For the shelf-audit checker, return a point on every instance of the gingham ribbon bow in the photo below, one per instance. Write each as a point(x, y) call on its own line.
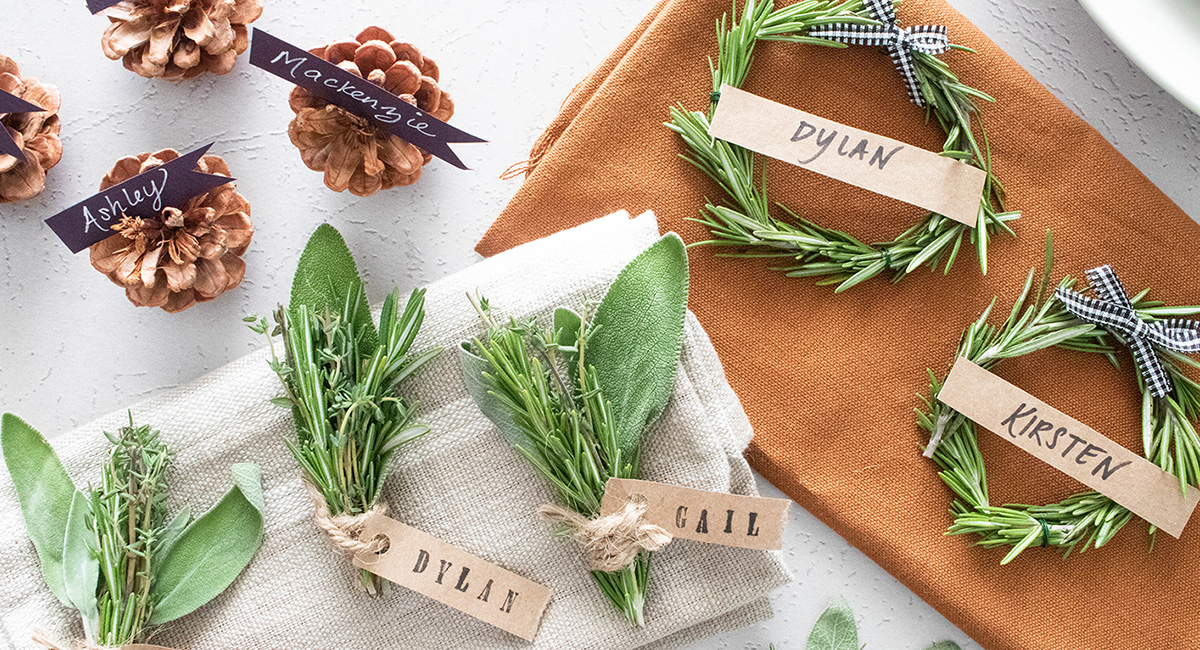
point(1113, 311)
point(930, 39)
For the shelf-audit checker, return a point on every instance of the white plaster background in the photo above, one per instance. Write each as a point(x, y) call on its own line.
point(72, 348)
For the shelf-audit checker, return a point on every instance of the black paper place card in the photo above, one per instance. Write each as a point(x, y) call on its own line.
point(96, 6)
point(357, 95)
point(170, 185)
point(10, 103)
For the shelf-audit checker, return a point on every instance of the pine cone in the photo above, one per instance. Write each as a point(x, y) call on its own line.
point(179, 39)
point(35, 133)
point(184, 256)
point(354, 153)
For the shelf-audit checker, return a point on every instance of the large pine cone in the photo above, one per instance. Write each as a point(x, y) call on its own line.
point(354, 153)
point(35, 133)
point(179, 39)
point(184, 256)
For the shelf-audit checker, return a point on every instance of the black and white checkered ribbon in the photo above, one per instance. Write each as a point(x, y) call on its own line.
point(1112, 310)
point(930, 39)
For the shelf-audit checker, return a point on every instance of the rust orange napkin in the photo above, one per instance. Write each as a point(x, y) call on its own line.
point(830, 381)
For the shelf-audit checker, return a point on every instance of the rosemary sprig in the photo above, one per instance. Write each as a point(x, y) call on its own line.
point(343, 389)
point(543, 379)
point(746, 223)
point(1089, 519)
point(129, 530)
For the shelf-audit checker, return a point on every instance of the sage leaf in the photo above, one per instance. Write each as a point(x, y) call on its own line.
point(835, 630)
point(480, 387)
point(327, 278)
point(638, 337)
point(45, 493)
point(172, 531)
point(81, 565)
point(944, 645)
point(212, 551)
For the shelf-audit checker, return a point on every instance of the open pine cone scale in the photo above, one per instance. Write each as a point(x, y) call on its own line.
point(179, 39)
point(37, 134)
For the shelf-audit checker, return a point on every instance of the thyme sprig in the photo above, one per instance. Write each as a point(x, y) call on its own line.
point(542, 377)
point(746, 222)
point(1089, 519)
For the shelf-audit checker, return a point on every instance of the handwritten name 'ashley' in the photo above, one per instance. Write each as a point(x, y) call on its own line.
point(826, 137)
point(152, 190)
point(350, 88)
point(1025, 423)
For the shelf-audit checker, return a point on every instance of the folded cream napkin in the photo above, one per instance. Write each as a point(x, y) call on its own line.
point(461, 483)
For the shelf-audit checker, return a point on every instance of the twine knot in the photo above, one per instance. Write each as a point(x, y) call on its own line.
point(345, 531)
point(612, 542)
point(43, 639)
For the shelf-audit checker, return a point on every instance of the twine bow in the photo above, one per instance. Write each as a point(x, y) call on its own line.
point(1113, 310)
point(345, 531)
point(900, 42)
point(610, 543)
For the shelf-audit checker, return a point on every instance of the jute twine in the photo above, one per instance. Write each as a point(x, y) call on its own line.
point(610, 543)
point(345, 531)
point(41, 638)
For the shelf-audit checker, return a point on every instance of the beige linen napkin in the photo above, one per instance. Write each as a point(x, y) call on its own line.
point(460, 483)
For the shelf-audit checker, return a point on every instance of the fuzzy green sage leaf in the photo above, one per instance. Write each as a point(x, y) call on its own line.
point(835, 629)
point(212, 551)
point(638, 337)
point(81, 564)
point(45, 493)
point(326, 276)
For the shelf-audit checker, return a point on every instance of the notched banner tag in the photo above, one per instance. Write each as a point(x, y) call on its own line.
point(429, 566)
point(170, 185)
point(10, 103)
point(861, 158)
point(1069, 446)
point(96, 6)
point(714, 517)
point(357, 95)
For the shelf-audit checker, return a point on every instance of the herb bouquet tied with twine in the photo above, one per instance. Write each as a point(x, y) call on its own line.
point(110, 552)
point(341, 376)
point(576, 397)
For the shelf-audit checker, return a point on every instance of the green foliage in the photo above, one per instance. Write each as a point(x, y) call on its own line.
point(1038, 321)
point(212, 551)
point(746, 224)
point(341, 376)
point(122, 565)
point(45, 493)
point(836, 630)
point(546, 392)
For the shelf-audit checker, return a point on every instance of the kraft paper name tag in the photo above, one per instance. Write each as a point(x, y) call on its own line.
point(861, 158)
point(1069, 446)
point(429, 566)
point(714, 517)
point(170, 185)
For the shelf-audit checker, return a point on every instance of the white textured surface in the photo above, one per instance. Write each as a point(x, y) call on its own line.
point(72, 348)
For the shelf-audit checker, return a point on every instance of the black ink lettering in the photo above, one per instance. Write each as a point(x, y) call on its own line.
point(860, 150)
point(823, 144)
point(487, 591)
point(796, 137)
point(681, 517)
point(702, 527)
point(445, 567)
point(728, 521)
point(881, 159)
point(752, 531)
point(508, 601)
point(1107, 463)
point(1037, 431)
point(1074, 441)
point(1057, 432)
point(1017, 414)
point(1088, 452)
point(422, 561)
point(842, 146)
point(462, 580)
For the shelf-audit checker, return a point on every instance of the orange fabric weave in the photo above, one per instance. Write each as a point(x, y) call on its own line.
point(830, 381)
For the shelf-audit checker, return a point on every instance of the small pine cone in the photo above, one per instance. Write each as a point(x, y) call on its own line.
point(179, 39)
point(183, 256)
point(354, 153)
point(35, 133)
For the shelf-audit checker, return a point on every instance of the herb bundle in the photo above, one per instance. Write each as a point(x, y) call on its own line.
point(341, 378)
point(110, 552)
point(574, 399)
point(1088, 519)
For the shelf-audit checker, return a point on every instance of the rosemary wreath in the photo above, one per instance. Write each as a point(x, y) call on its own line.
point(745, 223)
point(1087, 519)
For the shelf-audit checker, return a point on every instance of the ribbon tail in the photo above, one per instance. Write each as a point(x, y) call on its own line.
point(1154, 371)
